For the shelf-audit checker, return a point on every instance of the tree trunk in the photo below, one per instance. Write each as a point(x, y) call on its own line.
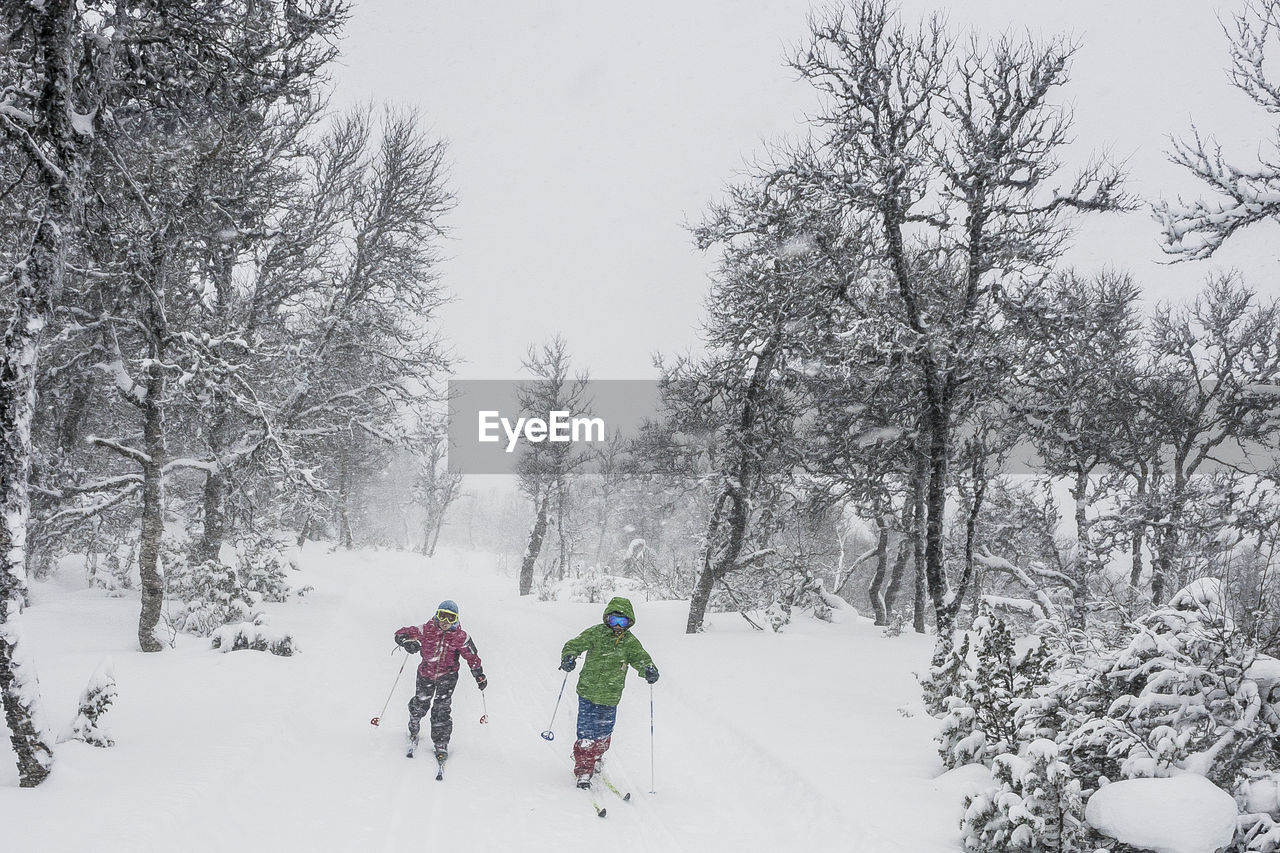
point(38, 288)
point(921, 603)
point(904, 550)
point(214, 531)
point(345, 539)
point(534, 548)
point(149, 569)
point(1080, 561)
point(18, 685)
point(938, 429)
point(1136, 542)
point(435, 534)
point(1169, 540)
point(876, 590)
point(1138, 533)
point(718, 561)
point(563, 543)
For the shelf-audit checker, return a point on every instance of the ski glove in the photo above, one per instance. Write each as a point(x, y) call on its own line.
point(651, 674)
point(568, 663)
point(409, 644)
point(481, 681)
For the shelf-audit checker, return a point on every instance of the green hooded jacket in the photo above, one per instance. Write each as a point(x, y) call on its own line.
point(604, 673)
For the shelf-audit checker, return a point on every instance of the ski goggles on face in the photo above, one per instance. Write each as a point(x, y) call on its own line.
point(616, 620)
point(448, 617)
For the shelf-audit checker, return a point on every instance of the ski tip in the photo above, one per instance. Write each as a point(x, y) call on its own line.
point(626, 798)
point(601, 813)
point(439, 777)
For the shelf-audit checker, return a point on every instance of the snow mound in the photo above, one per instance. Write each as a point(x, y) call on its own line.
point(1265, 672)
point(1204, 596)
point(1184, 814)
point(257, 635)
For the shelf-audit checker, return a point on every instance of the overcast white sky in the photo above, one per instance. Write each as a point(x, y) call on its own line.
point(583, 134)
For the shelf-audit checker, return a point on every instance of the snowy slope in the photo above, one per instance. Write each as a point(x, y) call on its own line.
point(763, 741)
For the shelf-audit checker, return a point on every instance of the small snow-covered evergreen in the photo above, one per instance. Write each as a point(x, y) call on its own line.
point(1035, 807)
point(943, 680)
point(980, 720)
point(95, 701)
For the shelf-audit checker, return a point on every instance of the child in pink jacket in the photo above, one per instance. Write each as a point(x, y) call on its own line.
point(441, 641)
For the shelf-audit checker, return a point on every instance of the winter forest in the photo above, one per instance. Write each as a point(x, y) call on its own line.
point(941, 538)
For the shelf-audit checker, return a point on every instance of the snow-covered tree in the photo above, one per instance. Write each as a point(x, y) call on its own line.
point(1035, 807)
point(946, 156)
point(1074, 396)
point(980, 719)
point(95, 701)
point(1213, 365)
point(766, 313)
point(544, 468)
point(52, 100)
point(1244, 195)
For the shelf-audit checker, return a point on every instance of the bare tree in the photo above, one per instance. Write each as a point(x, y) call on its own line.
point(544, 468)
point(950, 154)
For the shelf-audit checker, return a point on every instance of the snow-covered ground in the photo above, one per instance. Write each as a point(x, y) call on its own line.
point(764, 741)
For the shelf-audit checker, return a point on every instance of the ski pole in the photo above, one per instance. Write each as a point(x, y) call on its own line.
point(549, 734)
point(651, 786)
point(484, 718)
point(378, 719)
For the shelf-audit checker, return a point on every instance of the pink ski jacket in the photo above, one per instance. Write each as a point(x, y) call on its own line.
point(441, 648)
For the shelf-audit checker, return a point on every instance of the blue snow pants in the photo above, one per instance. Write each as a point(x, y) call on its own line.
point(595, 721)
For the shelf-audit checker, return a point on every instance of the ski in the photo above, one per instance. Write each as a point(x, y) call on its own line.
point(608, 783)
point(590, 790)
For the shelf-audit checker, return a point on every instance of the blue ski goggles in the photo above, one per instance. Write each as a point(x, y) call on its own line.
point(617, 620)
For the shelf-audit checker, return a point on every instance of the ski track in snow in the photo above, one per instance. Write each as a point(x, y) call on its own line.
point(762, 741)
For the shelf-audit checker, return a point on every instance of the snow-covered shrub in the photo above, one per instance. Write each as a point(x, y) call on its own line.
point(113, 570)
point(1181, 700)
point(1258, 796)
point(96, 699)
point(981, 713)
point(593, 586)
point(212, 595)
point(1035, 807)
point(778, 616)
point(943, 681)
point(257, 635)
point(264, 570)
point(897, 623)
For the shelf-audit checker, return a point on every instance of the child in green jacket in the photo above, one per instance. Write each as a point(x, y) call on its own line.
point(610, 648)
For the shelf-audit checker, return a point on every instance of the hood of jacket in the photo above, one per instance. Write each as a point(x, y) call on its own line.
point(618, 604)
